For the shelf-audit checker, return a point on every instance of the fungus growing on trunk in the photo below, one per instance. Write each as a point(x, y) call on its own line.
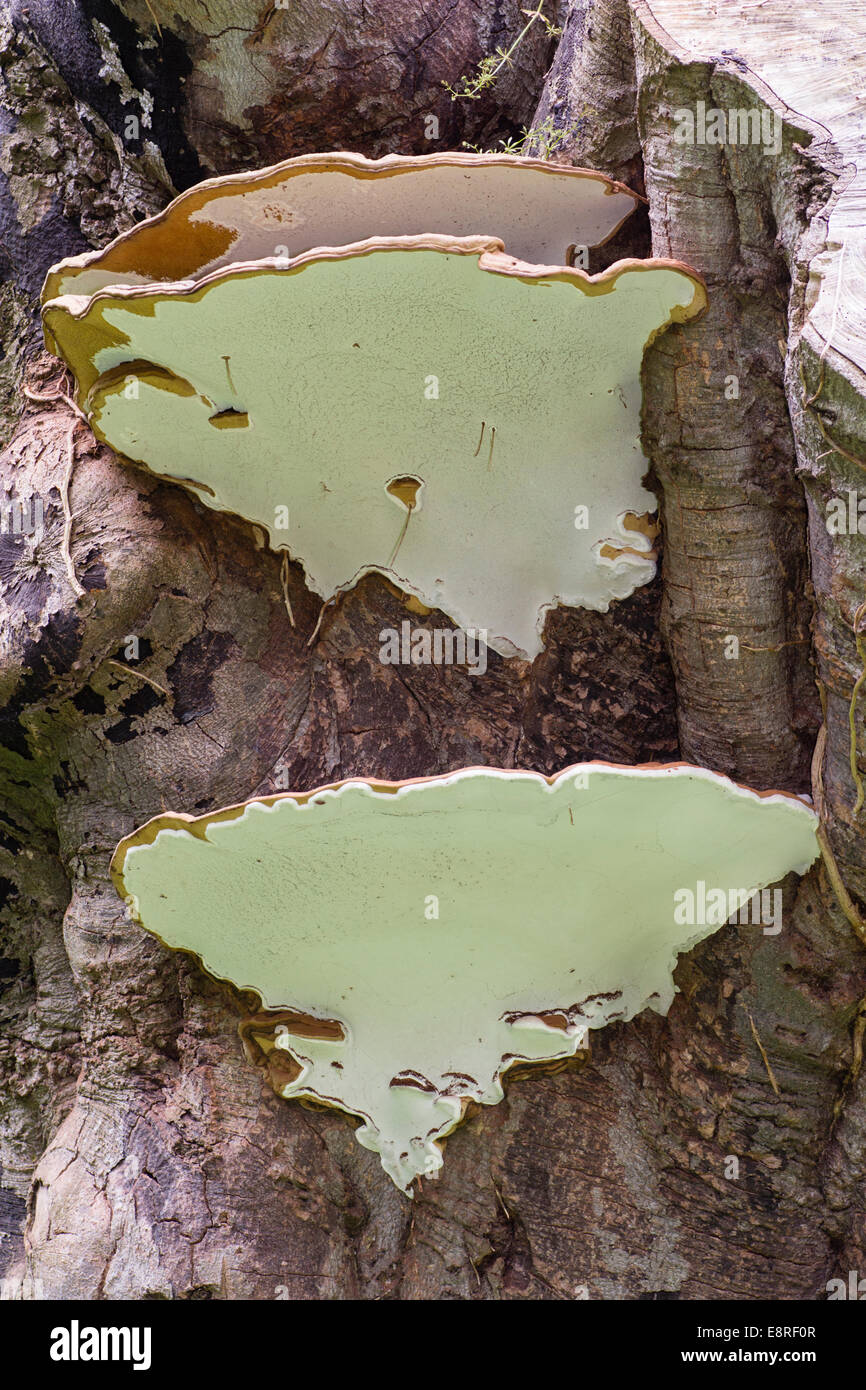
point(540, 211)
point(508, 393)
point(417, 939)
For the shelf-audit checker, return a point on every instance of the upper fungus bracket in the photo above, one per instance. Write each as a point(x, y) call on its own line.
point(542, 212)
point(331, 365)
point(559, 908)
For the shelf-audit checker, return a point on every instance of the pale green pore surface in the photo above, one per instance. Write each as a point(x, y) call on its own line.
point(550, 896)
point(334, 366)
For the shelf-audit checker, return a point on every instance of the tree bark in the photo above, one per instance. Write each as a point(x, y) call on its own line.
point(141, 1155)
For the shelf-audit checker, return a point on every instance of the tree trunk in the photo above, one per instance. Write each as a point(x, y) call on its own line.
point(141, 1155)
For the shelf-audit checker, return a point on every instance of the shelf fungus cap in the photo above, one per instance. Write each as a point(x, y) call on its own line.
point(509, 394)
point(542, 212)
point(418, 939)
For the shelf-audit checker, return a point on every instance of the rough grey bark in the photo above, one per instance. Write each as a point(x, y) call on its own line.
point(141, 1153)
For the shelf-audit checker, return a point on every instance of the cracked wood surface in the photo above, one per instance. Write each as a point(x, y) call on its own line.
point(816, 78)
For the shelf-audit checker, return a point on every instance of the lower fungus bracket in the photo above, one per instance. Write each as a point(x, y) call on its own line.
point(542, 934)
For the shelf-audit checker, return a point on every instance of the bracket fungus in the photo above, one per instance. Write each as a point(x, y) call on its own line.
point(437, 360)
point(540, 210)
point(420, 938)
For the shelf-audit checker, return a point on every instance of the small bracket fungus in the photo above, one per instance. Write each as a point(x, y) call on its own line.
point(420, 938)
point(538, 209)
point(509, 394)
